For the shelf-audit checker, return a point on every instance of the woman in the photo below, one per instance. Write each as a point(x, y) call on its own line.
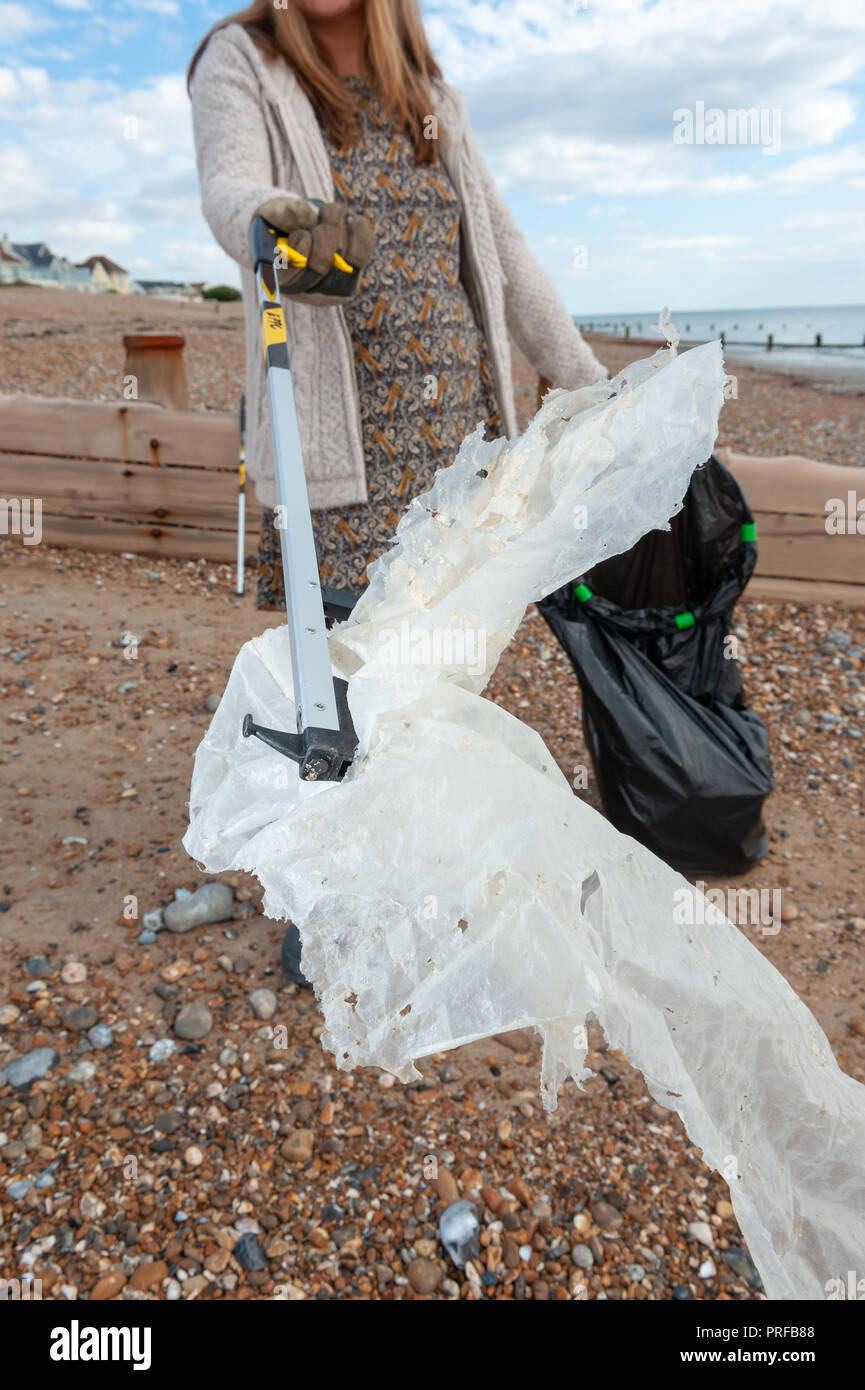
point(330, 118)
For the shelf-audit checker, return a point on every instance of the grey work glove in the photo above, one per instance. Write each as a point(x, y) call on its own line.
point(319, 231)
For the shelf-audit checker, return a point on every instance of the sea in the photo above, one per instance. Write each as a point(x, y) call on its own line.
point(746, 332)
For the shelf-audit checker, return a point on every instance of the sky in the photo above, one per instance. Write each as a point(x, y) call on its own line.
point(587, 114)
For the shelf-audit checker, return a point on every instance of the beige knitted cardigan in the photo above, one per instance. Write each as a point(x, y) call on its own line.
point(256, 135)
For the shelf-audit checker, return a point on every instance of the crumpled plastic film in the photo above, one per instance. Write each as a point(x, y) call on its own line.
point(452, 886)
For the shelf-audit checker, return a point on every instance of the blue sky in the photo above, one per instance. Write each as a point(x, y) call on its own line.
point(573, 106)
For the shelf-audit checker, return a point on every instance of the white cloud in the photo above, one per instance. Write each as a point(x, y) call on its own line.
point(51, 53)
point(15, 22)
point(608, 79)
point(823, 168)
point(730, 183)
point(72, 175)
point(688, 243)
point(76, 235)
point(20, 88)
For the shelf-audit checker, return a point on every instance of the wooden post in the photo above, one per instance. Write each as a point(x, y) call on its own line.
point(155, 361)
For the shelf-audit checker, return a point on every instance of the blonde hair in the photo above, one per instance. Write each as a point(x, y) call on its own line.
point(398, 57)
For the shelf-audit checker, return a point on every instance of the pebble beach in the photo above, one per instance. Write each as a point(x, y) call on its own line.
point(170, 1127)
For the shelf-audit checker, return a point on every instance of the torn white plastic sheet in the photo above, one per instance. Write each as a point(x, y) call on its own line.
point(453, 886)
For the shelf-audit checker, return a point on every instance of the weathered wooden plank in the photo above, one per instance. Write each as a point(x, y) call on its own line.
point(767, 590)
point(93, 463)
point(134, 431)
point(789, 483)
point(797, 547)
point(182, 542)
point(128, 491)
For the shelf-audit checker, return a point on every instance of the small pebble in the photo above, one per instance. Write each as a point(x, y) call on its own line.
point(701, 1231)
point(82, 1071)
point(263, 1003)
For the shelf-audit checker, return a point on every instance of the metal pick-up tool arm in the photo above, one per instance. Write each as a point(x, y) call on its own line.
point(325, 742)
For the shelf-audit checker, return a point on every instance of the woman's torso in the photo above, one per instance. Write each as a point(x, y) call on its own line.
point(422, 367)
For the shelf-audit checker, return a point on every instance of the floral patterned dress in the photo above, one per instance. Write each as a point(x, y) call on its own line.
point(422, 364)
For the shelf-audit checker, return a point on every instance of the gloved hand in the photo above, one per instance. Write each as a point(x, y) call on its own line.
point(319, 231)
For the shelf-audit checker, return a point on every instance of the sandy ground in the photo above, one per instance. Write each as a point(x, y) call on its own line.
point(245, 1165)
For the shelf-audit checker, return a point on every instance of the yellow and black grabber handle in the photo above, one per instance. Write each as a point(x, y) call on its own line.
point(241, 500)
point(325, 742)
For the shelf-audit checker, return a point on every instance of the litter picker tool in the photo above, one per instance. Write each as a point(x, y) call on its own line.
point(241, 500)
point(325, 742)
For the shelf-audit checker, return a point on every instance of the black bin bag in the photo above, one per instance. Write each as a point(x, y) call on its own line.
point(682, 763)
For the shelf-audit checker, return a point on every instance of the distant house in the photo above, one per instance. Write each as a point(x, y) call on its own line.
point(34, 263)
point(171, 289)
point(106, 275)
point(42, 258)
point(11, 263)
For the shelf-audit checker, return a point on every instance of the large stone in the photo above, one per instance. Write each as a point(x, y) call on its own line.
point(298, 1146)
point(194, 1021)
point(249, 1254)
point(446, 1186)
point(424, 1275)
point(606, 1216)
point(169, 1121)
point(80, 1017)
point(108, 1286)
point(33, 1066)
point(212, 902)
point(149, 1275)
